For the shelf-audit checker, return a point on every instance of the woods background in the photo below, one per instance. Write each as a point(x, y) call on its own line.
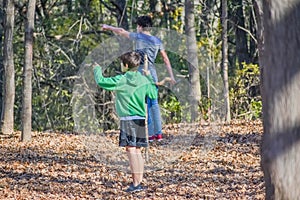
point(44, 42)
point(66, 31)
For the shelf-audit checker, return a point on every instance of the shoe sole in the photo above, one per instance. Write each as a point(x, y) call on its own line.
point(158, 140)
point(134, 191)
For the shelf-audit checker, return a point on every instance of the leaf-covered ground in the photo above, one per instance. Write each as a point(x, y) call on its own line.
point(58, 166)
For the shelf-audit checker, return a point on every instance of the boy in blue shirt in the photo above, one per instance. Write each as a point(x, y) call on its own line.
point(149, 45)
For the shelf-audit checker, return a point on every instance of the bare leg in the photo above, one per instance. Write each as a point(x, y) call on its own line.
point(141, 164)
point(136, 163)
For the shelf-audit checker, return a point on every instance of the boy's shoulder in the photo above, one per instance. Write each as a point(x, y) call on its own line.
point(138, 75)
point(133, 74)
point(150, 38)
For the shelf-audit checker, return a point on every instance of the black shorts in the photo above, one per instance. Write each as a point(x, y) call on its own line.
point(133, 133)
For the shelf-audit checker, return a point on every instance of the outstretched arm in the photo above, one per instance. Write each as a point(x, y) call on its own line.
point(168, 65)
point(108, 83)
point(119, 31)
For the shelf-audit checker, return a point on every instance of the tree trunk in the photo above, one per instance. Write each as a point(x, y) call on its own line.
point(1, 60)
point(241, 35)
point(27, 73)
point(253, 42)
point(258, 9)
point(155, 6)
point(69, 5)
point(9, 70)
point(281, 111)
point(224, 63)
point(194, 75)
point(122, 14)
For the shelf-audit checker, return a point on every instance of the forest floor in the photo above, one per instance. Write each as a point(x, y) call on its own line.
point(222, 165)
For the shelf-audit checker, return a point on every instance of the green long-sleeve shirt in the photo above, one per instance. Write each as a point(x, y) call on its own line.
point(131, 90)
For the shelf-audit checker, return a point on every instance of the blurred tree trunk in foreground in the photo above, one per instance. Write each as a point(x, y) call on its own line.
point(281, 94)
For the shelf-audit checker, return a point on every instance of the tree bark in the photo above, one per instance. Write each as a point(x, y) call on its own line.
point(258, 9)
point(27, 73)
point(280, 156)
point(224, 63)
point(69, 5)
point(122, 14)
point(9, 70)
point(240, 34)
point(194, 75)
point(1, 59)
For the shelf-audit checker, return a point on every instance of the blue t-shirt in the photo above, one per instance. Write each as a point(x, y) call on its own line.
point(148, 44)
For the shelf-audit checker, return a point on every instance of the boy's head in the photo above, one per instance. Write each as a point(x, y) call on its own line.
point(130, 60)
point(145, 22)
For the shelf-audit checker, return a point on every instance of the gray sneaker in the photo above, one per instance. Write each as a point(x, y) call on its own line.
point(133, 189)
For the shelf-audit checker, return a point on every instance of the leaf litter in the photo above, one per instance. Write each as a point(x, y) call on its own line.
point(223, 164)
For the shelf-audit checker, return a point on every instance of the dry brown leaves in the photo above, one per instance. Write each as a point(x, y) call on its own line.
point(58, 166)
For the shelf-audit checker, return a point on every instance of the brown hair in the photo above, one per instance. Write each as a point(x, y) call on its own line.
point(132, 59)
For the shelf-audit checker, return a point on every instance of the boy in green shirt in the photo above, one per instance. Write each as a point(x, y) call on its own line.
point(131, 90)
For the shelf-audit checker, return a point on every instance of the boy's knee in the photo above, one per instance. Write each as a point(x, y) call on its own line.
point(132, 149)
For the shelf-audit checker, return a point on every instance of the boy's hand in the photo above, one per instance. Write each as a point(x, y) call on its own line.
point(105, 27)
point(146, 72)
point(95, 65)
point(172, 81)
point(167, 79)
